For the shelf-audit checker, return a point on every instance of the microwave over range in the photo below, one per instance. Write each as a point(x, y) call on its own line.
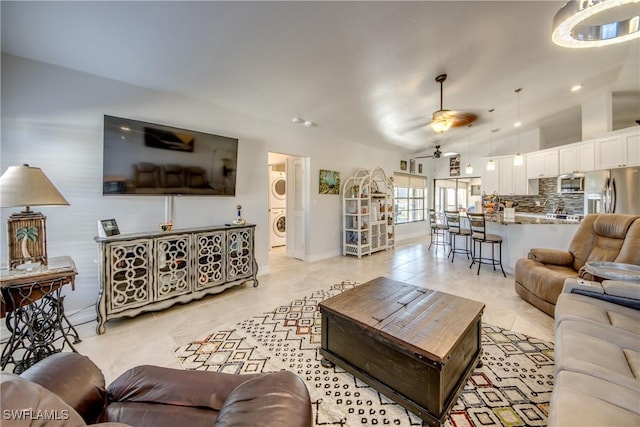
point(571, 183)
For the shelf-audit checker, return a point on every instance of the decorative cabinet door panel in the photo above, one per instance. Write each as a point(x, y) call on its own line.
point(130, 274)
point(240, 253)
point(172, 266)
point(210, 261)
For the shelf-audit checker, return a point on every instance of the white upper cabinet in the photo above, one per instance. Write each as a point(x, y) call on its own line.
point(618, 151)
point(490, 179)
point(506, 179)
point(579, 157)
point(542, 164)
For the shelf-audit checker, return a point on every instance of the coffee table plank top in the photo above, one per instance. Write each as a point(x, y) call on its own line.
point(429, 322)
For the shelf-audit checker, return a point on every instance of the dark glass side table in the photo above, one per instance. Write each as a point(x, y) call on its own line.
point(33, 305)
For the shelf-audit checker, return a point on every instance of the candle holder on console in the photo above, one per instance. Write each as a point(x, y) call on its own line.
point(239, 220)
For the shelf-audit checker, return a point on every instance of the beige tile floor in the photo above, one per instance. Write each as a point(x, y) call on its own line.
point(152, 338)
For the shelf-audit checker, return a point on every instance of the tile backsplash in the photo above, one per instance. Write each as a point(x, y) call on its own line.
point(549, 198)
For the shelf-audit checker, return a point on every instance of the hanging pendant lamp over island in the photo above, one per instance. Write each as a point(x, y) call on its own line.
point(517, 159)
point(491, 165)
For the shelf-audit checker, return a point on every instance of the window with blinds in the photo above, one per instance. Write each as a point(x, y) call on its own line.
point(410, 192)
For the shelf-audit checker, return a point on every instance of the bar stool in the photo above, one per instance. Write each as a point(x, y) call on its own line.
point(479, 237)
point(438, 230)
point(455, 230)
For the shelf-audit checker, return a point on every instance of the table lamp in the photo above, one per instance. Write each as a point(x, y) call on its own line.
point(26, 231)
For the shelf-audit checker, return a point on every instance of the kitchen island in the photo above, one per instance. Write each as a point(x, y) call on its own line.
point(527, 231)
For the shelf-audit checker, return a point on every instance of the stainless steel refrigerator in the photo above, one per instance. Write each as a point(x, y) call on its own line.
point(612, 191)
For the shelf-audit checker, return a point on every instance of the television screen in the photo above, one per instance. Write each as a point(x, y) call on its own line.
point(146, 158)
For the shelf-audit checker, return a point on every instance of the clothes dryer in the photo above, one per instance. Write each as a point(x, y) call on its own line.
point(278, 190)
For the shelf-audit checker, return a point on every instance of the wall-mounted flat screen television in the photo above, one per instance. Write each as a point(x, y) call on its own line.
point(150, 159)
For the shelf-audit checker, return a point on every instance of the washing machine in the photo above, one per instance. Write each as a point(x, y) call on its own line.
point(278, 190)
point(278, 227)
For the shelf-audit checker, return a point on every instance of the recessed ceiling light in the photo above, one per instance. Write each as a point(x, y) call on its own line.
point(576, 87)
point(309, 124)
point(297, 120)
point(517, 124)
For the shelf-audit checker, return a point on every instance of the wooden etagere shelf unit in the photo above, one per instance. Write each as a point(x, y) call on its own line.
point(152, 271)
point(367, 213)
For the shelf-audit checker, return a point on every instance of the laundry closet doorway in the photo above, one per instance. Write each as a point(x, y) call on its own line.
point(288, 195)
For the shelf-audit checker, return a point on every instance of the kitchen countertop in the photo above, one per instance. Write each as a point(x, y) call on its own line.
point(526, 219)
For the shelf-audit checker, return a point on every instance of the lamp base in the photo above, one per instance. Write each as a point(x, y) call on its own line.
point(27, 239)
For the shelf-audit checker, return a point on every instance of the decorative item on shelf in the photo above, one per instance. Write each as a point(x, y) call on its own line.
point(491, 165)
point(403, 165)
point(582, 24)
point(517, 159)
point(27, 233)
point(166, 226)
point(239, 220)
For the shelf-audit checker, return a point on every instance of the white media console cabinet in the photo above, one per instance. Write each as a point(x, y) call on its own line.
point(152, 271)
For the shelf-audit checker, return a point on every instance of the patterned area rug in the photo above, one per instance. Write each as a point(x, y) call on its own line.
point(512, 388)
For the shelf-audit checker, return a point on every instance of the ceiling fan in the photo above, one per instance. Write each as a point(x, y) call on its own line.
point(436, 154)
point(443, 120)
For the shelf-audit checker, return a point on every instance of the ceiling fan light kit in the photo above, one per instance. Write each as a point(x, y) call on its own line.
point(595, 23)
point(443, 120)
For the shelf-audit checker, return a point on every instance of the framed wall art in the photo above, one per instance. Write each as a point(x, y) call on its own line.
point(329, 182)
point(454, 165)
point(403, 165)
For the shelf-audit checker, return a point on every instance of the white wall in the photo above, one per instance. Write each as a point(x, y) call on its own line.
point(52, 118)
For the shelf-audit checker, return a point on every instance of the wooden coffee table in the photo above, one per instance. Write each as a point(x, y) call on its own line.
point(417, 346)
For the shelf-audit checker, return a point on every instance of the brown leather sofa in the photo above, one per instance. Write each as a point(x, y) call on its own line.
point(69, 390)
point(539, 278)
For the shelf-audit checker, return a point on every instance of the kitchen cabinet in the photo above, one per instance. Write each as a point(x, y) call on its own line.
point(542, 164)
point(506, 179)
point(618, 150)
point(490, 178)
point(577, 158)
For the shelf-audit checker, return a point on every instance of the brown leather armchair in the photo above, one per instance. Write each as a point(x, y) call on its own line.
point(71, 387)
point(539, 278)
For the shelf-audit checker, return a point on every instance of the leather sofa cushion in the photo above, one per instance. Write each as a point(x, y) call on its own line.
point(586, 309)
point(599, 351)
point(622, 289)
point(154, 414)
point(266, 401)
point(176, 387)
point(614, 226)
point(75, 379)
point(551, 256)
point(582, 400)
point(545, 281)
point(19, 394)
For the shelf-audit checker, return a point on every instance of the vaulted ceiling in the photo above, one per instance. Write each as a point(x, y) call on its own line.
point(363, 71)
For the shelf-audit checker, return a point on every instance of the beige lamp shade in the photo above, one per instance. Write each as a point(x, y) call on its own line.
point(28, 186)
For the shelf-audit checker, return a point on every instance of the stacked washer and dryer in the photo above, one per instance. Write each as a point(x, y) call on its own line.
point(277, 207)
